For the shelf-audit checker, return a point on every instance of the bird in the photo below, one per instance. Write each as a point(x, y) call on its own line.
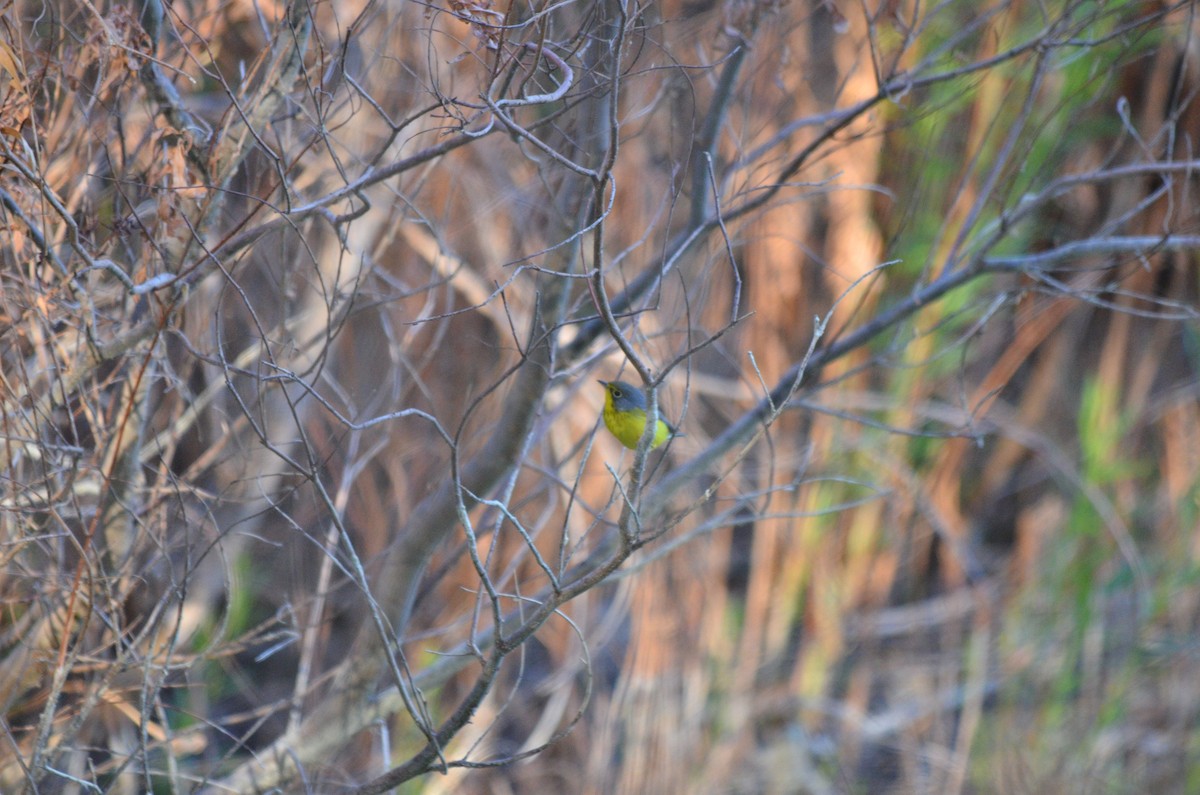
point(625, 415)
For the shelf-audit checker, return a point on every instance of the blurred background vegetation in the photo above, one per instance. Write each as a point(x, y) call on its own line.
point(304, 487)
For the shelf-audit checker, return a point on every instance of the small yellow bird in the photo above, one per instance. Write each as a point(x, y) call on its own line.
point(625, 415)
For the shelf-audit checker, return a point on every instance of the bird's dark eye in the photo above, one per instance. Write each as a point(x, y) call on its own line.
point(616, 392)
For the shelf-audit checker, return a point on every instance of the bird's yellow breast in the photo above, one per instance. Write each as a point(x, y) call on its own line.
point(628, 425)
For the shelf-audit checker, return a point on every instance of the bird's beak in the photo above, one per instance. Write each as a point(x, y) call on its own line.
point(602, 383)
